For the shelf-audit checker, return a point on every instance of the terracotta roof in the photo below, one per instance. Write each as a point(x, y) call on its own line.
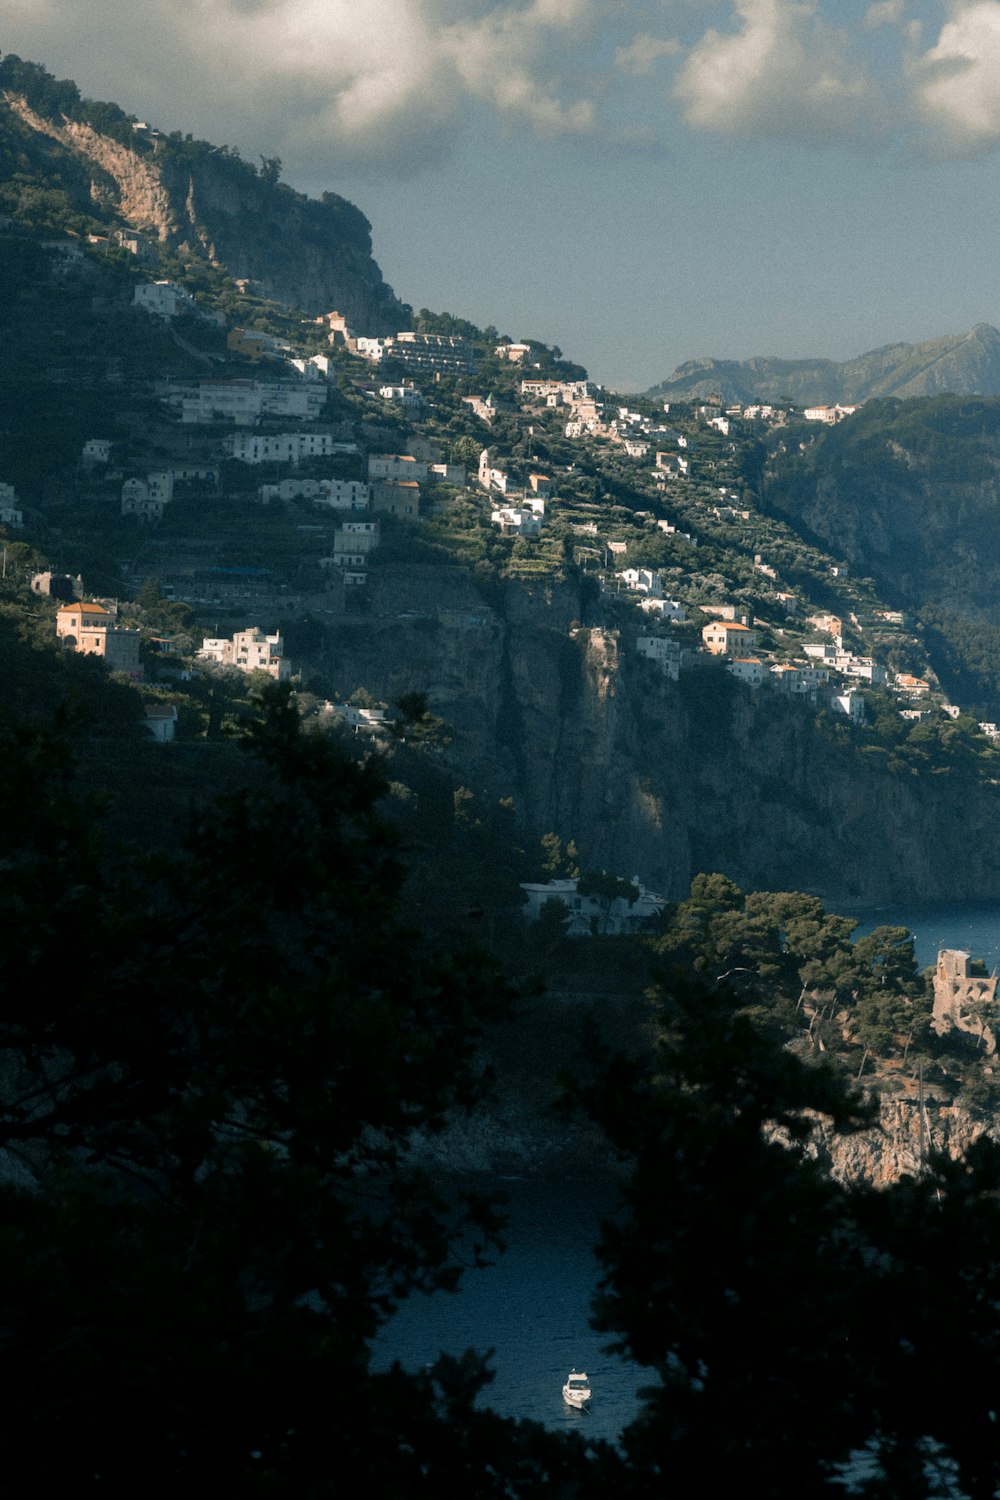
point(87, 609)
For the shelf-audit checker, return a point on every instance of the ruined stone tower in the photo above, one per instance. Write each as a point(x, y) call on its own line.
point(964, 1001)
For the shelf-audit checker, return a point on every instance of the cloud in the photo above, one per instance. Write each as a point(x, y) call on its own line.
point(640, 57)
point(393, 84)
point(497, 58)
point(382, 80)
point(785, 73)
point(883, 13)
point(957, 81)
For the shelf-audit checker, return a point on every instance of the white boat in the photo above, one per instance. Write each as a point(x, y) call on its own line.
point(576, 1391)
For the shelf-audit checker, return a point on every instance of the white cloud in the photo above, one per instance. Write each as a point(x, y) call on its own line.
point(957, 81)
point(497, 59)
point(785, 72)
point(386, 80)
point(883, 13)
point(642, 54)
point(393, 82)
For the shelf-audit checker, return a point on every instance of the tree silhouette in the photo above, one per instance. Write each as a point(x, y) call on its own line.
point(213, 1062)
point(795, 1327)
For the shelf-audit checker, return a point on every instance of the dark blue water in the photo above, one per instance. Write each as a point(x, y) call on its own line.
point(532, 1308)
point(968, 925)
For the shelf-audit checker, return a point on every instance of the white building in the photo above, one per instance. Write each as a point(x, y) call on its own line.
point(642, 581)
point(161, 721)
point(334, 494)
point(249, 651)
point(821, 651)
point(828, 414)
point(748, 669)
point(589, 915)
point(370, 349)
point(246, 402)
point(491, 478)
point(316, 367)
point(663, 652)
point(396, 466)
point(665, 609)
point(434, 351)
point(850, 703)
point(372, 721)
point(283, 447)
point(797, 679)
point(524, 520)
point(163, 299)
point(406, 396)
point(862, 667)
point(352, 542)
point(343, 494)
point(148, 498)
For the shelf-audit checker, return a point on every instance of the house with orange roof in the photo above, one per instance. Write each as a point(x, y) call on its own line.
point(749, 669)
point(88, 627)
point(728, 638)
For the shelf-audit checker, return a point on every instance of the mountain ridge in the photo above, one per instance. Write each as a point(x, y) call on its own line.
point(966, 364)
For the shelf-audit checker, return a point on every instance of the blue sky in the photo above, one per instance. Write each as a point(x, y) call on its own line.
point(641, 183)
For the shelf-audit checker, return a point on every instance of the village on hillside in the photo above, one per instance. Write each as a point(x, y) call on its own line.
point(486, 453)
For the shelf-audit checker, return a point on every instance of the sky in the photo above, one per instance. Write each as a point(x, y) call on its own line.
point(640, 182)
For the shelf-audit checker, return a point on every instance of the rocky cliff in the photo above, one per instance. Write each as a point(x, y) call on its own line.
point(654, 778)
point(520, 1133)
point(201, 201)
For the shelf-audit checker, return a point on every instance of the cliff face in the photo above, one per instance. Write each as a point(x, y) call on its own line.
point(516, 1135)
point(654, 778)
point(892, 1149)
point(315, 255)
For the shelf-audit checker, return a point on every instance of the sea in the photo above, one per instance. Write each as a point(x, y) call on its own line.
point(530, 1310)
point(972, 926)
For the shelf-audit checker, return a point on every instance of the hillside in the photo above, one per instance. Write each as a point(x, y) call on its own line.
point(966, 364)
point(70, 163)
point(540, 585)
point(909, 493)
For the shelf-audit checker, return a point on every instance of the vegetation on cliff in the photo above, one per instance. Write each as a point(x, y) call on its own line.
point(67, 178)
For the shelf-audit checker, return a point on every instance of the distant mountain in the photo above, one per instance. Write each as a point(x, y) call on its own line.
point(76, 165)
point(966, 364)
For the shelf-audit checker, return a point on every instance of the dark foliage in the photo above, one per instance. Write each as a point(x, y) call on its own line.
point(212, 1062)
point(793, 1325)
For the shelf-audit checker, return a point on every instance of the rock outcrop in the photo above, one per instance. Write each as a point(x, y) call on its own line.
point(521, 1135)
point(198, 200)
